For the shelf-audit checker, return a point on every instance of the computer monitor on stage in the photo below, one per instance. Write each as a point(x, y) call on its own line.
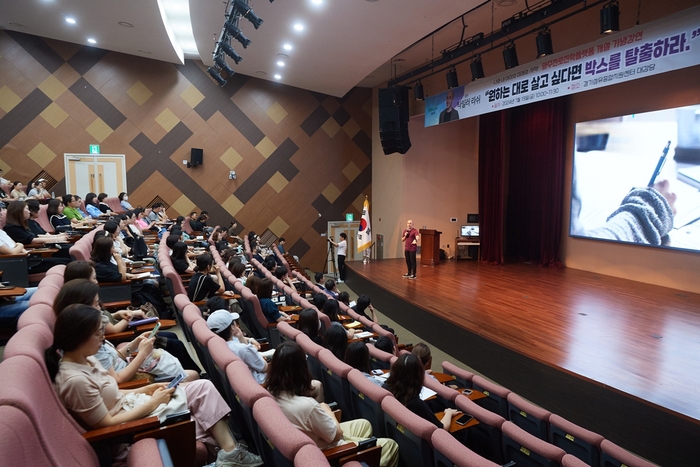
point(469, 231)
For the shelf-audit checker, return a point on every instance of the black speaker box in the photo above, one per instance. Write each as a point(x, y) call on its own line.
point(393, 119)
point(196, 157)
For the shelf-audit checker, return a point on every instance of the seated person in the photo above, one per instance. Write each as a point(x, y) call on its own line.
point(71, 210)
point(331, 289)
point(336, 340)
point(11, 308)
point(289, 382)
point(385, 344)
point(101, 205)
point(238, 270)
point(179, 258)
point(39, 191)
point(223, 323)
point(344, 298)
point(280, 245)
point(253, 283)
point(319, 300)
point(357, 356)
point(310, 325)
point(91, 206)
point(91, 395)
point(269, 308)
point(80, 209)
point(203, 285)
point(112, 228)
point(195, 225)
point(154, 217)
point(405, 382)
point(17, 228)
point(109, 265)
point(422, 351)
point(282, 275)
point(17, 193)
point(124, 202)
point(34, 209)
point(363, 303)
point(58, 220)
point(332, 309)
point(158, 363)
point(318, 277)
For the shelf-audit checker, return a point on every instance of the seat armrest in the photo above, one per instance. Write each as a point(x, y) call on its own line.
point(120, 336)
point(138, 383)
point(135, 426)
point(339, 451)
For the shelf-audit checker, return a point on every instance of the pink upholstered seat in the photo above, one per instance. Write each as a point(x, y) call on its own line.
point(612, 454)
point(462, 376)
point(574, 439)
point(284, 437)
point(497, 396)
point(515, 439)
point(458, 454)
point(309, 455)
point(288, 330)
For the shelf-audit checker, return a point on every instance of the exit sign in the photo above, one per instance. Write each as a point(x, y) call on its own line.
point(349, 216)
point(94, 149)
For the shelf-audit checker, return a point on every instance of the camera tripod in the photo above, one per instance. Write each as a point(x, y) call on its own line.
point(330, 258)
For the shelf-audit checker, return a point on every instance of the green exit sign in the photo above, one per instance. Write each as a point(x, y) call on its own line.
point(349, 216)
point(94, 149)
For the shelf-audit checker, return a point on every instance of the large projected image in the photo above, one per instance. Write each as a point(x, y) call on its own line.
point(636, 179)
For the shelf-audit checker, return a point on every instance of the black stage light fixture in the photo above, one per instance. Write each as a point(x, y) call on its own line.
point(217, 77)
point(477, 68)
point(544, 43)
point(610, 18)
point(237, 34)
point(452, 81)
point(221, 63)
point(226, 47)
point(510, 56)
point(418, 91)
point(247, 12)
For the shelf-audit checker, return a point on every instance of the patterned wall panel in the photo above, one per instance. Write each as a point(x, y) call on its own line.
point(296, 153)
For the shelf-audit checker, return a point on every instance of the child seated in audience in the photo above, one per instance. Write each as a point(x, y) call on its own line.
point(223, 323)
point(405, 382)
point(289, 382)
point(91, 394)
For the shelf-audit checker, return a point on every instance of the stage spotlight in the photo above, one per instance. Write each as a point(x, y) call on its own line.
point(226, 47)
point(237, 34)
point(510, 56)
point(217, 77)
point(418, 91)
point(477, 68)
point(221, 63)
point(452, 81)
point(247, 12)
point(544, 43)
point(610, 18)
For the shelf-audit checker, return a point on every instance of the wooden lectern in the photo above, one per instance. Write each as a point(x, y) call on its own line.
point(429, 247)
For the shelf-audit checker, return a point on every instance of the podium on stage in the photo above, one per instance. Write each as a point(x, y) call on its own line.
point(430, 247)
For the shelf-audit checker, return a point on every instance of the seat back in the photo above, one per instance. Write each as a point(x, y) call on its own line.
point(312, 349)
point(335, 383)
point(43, 219)
point(486, 438)
point(526, 450)
point(410, 431)
point(280, 440)
point(574, 439)
point(245, 391)
point(496, 396)
point(114, 204)
point(528, 416)
point(378, 359)
point(449, 452)
point(462, 376)
point(366, 401)
point(612, 455)
point(312, 456)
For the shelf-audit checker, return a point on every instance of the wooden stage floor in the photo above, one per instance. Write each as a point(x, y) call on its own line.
point(642, 340)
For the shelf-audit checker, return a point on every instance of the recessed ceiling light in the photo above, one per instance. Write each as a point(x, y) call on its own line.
point(261, 72)
point(125, 24)
point(287, 46)
point(298, 27)
point(70, 20)
point(316, 2)
point(18, 25)
point(506, 2)
point(278, 76)
point(283, 55)
point(144, 51)
point(91, 40)
point(280, 63)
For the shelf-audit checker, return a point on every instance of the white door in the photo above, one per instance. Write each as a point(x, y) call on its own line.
point(103, 173)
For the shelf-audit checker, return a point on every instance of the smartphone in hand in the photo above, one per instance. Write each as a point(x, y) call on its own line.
point(178, 379)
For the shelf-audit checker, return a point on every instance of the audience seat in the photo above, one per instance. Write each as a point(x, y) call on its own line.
point(279, 439)
point(366, 401)
point(312, 349)
point(309, 456)
point(462, 376)
point(246, 392)
point(496, 396)
point(612, 455)
point(572, 461)
point(528, 416)
point(334, 374)
point(43, 219)
point(527, 450)
point(574, 439)
point(449, 452)
point(411, 432)
point(486, 438)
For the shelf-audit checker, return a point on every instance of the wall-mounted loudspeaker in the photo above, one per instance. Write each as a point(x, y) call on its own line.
point(393, 119)
point(196, 157)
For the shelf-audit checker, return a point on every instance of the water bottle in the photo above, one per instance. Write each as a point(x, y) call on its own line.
point(53, 194)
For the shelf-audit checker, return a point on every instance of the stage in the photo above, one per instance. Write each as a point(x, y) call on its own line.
point(615, 356)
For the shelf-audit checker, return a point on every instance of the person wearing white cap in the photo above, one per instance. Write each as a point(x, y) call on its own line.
point(223, 323)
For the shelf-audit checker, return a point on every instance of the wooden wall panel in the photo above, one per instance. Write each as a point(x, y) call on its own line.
point(297, 154)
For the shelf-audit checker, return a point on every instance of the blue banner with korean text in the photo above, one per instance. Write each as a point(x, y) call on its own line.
point(668, 44)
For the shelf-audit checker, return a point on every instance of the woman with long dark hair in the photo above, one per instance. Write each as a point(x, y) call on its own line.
point(332, 309)
point(92, 396)
point(17, 228)
point(289, 381)
point(405, 383)
point(309, 324)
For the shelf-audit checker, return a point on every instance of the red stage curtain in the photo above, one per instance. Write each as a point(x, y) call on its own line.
point(492, 157)
point(535, 184)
